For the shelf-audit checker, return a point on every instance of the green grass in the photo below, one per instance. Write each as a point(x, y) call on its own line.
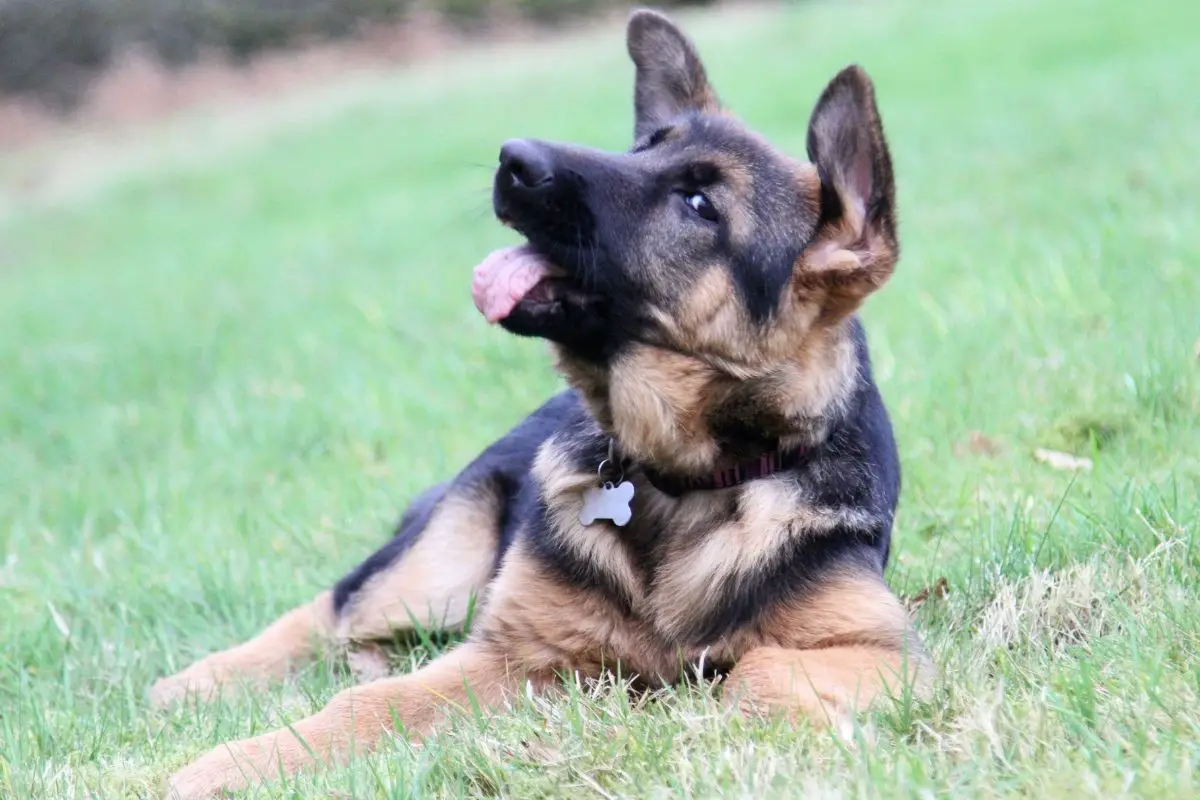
point(231, 350)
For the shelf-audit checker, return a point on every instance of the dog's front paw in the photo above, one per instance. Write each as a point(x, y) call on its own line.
point(169, 691)
point(209, 776)
point(197, 681)
point(237, 765)
point(369, 662)
point(209, 678)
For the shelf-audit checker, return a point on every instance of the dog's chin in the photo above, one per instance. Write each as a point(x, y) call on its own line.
point(559, 309)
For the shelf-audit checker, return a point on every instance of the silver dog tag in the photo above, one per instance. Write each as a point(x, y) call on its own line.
point(609, 502)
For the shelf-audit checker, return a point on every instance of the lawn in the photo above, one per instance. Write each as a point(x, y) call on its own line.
point(230, 351)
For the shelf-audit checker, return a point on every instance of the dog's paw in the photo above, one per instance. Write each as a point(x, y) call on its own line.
point(187, 786)
point(202, 681)
point(208, 777)
point(228, 768)
point(204, 782)
point(369, 662)
point(234, 766)
point(169, 691)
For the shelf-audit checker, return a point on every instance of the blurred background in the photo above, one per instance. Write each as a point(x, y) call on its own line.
point(123, 59)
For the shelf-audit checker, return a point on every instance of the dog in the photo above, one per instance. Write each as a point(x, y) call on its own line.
point(718, 483)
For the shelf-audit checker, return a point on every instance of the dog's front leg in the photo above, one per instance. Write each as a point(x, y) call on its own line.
point(828, 685)
point(357, 718)
point(294, 639)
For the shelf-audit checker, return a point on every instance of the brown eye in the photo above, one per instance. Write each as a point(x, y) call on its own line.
point(701, 205)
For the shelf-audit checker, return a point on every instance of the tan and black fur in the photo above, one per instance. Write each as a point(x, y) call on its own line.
point(706, 315)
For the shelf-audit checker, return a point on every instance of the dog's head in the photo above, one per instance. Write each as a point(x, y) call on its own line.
point(703, 249)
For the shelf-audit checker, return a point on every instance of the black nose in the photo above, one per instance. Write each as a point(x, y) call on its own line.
point(528, 164)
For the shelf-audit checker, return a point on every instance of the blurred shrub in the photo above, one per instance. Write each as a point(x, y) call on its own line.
point(469, 14)
point(473, 14)
point(550, 11)
point(177, 30)
point(51, 48)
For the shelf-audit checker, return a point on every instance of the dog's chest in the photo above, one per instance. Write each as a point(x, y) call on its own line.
point(671, 557)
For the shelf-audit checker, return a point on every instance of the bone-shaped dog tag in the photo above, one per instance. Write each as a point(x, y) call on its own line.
point(607, 502)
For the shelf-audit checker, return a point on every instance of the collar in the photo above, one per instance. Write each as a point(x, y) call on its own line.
point(765, 465)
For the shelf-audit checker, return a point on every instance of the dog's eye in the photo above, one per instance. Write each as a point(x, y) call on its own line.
point(701, 205)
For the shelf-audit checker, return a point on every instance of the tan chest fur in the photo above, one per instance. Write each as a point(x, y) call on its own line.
point(674, 562)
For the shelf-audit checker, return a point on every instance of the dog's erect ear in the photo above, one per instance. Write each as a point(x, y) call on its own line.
point(670, 76)
point(847, 145)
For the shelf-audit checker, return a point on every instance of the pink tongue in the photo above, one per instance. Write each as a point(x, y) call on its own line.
point(504, 278)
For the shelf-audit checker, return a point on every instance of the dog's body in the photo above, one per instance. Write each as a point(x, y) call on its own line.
point(700, 294)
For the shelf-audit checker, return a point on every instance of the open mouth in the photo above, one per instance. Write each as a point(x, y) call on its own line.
point(523, 276)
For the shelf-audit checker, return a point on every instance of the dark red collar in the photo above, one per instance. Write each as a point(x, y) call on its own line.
point(765, 465)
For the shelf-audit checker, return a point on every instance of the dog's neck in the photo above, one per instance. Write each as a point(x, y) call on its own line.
point(681, 414)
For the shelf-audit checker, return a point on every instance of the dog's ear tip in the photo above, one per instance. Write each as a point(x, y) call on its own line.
point(855, 77)
point(647, 21)
point(644, 15)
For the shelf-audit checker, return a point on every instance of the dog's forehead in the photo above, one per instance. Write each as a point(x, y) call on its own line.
point(736, 141)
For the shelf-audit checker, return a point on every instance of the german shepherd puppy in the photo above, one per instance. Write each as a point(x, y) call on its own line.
point(717, 486)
